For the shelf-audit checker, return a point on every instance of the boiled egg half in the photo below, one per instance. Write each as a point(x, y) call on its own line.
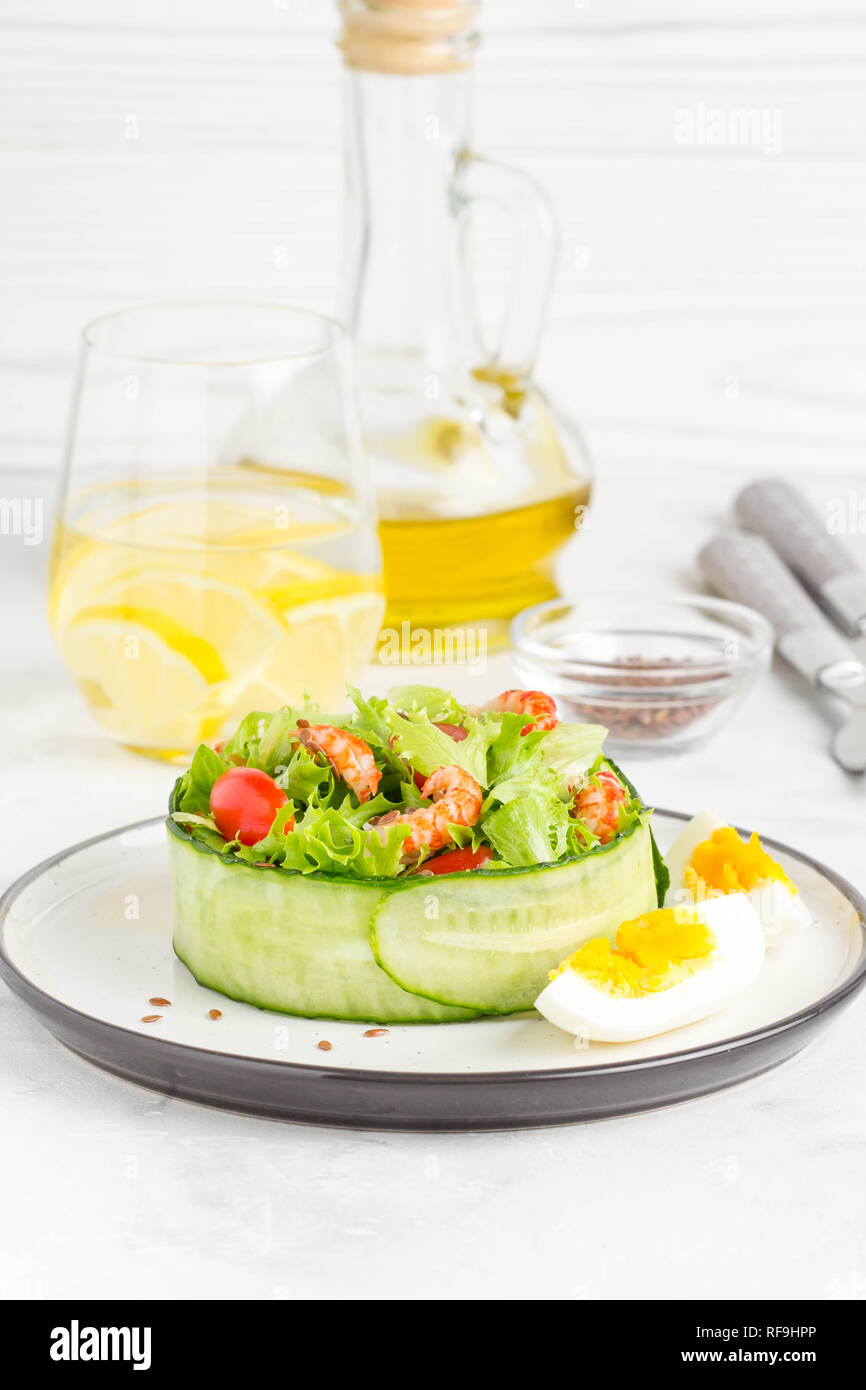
point(670, 967)
point(709, 859)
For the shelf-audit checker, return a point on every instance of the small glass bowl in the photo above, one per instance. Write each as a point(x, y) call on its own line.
point(662, 674)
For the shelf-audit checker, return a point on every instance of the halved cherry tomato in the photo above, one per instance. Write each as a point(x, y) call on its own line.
point(244, 802)
point(456, 860)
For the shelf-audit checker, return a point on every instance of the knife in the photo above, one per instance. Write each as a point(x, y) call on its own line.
point(781, 514)
point(744, 568)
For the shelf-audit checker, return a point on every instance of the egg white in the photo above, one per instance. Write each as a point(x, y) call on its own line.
point(781, 912)
point(678, 857)
point(577, 1006)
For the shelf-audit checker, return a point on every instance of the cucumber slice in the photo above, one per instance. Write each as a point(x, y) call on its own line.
point(487, 941)
point(286, 942)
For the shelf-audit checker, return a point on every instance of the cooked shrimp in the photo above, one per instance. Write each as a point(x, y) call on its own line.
point(598, 805)
point(457, 800)
point(540, 707)
point(350, 757)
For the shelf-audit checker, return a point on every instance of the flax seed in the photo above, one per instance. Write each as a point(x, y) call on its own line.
point(657, 717)
point(324, 1046)
point(375, 1032)
point(151, 1018)
point(163, 1003)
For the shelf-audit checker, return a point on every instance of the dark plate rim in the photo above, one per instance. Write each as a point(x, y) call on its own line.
point(47, 1004)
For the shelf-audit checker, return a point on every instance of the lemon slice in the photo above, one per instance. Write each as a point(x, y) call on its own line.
point(227, 619)
point(277, 577)
point(326, 642)
point(146, 687)
point(239, 613)
point(194, 521)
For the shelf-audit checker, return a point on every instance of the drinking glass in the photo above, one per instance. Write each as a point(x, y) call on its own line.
point(216, 547)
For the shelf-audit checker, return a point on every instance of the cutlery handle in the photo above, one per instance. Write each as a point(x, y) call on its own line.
point(781, 514)
point(743, 568)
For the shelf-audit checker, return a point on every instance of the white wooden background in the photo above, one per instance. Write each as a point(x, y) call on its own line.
point(709, 301)
point(708, 324)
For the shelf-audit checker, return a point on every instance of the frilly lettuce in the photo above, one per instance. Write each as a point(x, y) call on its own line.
point(326, 840)
point(194, 793)
point(570, 750)
point(427, 748)
point(439, 705)
point(532, 830)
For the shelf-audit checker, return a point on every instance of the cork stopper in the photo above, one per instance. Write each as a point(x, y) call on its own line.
point(409, 37)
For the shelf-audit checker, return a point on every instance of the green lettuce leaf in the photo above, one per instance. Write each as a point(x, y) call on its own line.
point(244, 742)
point(205, 768)
point(327, 840)
point(304, 779)
point(580, 838)
point(378, 805)
point(510, 753)
point(426, 748)
point(203, 829)
point(439, 705)
point(372, 726)
point(371, 722)
point(275, 747)
point(383, 851)
point(570, 750)
point(515, 767)
point(533, 830)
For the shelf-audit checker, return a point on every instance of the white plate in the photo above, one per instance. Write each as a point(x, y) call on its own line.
point(86, 940)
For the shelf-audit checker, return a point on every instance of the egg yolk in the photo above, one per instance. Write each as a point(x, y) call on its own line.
point(726, 864)
point(651, 953)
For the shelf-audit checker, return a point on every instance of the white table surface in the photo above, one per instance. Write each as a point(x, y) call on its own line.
point(708, 326)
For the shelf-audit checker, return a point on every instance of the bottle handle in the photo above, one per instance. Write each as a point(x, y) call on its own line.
point(529, 209)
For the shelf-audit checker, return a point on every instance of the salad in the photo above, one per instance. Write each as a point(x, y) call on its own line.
point(305, 849)
point(415, 783)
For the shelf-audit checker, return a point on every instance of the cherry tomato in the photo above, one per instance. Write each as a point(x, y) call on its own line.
point(244, 802)
point(456, 860)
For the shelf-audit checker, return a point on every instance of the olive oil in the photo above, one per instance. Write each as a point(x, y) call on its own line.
point(475, 571)
point(474, 508)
